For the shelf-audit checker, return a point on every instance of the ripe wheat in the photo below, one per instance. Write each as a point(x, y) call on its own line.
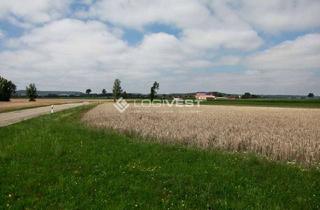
point(289, 134)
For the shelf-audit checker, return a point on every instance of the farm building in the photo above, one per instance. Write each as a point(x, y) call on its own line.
point(204, 96)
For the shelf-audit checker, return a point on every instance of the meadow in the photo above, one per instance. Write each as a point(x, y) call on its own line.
point(56, 162)
point(283, 134)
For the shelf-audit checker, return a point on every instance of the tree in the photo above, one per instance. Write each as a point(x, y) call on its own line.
point(153, 90)
point(117, 90)
point(88, 91)
point(104, 92)
point(7, 89)
point(310, 95)
point(32, 92)
point(124, 94)
point(246, 95)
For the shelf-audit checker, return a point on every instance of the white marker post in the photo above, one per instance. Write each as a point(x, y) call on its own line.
point(52, 109)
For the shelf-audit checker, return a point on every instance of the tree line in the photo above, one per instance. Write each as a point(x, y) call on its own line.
point(118, 92)
point(8, 89)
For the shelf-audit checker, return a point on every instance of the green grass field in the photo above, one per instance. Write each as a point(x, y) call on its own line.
point(55, 162)
point(293, 103)
point(296, 103)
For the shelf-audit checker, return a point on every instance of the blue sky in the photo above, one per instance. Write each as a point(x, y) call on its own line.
point(134, 37)
point(190, 45)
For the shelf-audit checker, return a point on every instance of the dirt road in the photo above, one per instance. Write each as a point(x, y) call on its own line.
point(9, 118)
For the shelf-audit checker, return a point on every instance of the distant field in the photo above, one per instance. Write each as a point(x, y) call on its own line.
point(16, 104)
point(287, 134)
point(55, 162)
point(306, 103)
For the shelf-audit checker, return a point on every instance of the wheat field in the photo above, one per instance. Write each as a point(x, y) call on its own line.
point(287, 134)
point(16, 104)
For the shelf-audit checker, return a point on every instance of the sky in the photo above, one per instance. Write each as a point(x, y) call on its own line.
point(233, 46)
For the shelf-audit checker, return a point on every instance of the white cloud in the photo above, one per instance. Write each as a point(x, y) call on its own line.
point(207, 26)
point(141, 12)
point(1, 35)
point(91, 52)
point(29, 12)
point(245, 40)
point(73, 54)
point(228, 61)
point(217, 47)
point(276, 16)
point(301, 54)
point(165, 51)
point(291, 66)
point(64, 50)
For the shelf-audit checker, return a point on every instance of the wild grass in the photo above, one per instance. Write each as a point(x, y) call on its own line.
point(55, 162)
point(286, 134)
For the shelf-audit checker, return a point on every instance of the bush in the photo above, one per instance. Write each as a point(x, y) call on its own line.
point(310, 95)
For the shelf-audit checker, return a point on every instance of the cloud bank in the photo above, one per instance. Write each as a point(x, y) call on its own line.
point(218, 45)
